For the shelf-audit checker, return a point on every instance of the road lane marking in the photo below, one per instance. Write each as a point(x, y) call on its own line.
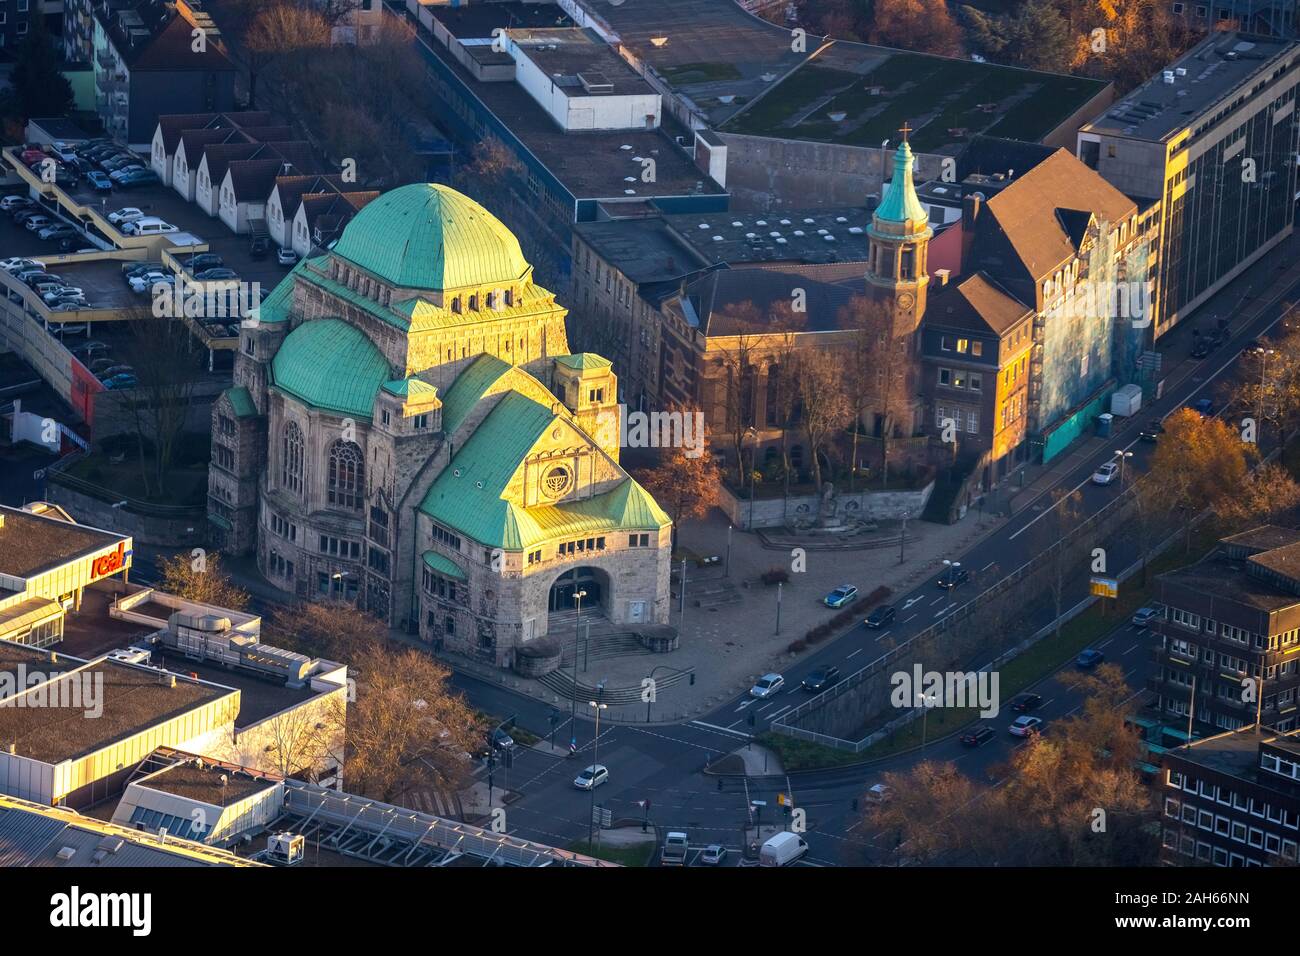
point(912, 618)
point(987, 566)
point(721, 730)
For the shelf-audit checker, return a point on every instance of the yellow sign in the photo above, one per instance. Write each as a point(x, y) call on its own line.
point(1105, 587)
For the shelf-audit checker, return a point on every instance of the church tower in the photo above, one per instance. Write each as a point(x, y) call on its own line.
point(899, 247)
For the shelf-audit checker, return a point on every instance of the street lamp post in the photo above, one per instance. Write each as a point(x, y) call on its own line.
point(752, 434)
point(902, 538)
point(577, 628)
point(1263, 354)
point(1121, 455)
point(595, 762)
point(925, 716)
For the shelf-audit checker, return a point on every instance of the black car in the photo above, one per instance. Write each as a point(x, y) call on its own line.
point(260, 247)
point(1026, 702)
point(952, 576)
point(205, 260)
point(821, 678)
point(978, 737)
point(1155, 428)
point(881, 615)
point(1202, 348)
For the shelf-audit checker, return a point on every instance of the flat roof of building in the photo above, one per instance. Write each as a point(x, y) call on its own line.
point(568, 54)
point(859, 95)
point(1203, 77)
point(810, 236)
point(210, 783)
point(259, 697)
point(1217, 576)
point(31, 544)
point(1237, 753)
point(132, 699)
point(590, 165)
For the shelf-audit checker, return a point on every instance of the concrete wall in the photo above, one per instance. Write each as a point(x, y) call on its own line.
point(871, 505)
point(163, 530)
point(767, 174)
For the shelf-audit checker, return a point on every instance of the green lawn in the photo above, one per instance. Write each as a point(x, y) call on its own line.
point(622, 855)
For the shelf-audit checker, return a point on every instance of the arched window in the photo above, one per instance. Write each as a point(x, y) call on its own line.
point(347, 475)
point(291, 458)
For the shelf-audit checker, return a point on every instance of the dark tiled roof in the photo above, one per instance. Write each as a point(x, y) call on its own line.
point(254, 178)
point(293, 188)
point(171, 46)
point(976, 303)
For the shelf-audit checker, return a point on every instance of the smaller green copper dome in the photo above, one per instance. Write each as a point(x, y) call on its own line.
point(901, 204)
point(330, 365)
point(428, 236)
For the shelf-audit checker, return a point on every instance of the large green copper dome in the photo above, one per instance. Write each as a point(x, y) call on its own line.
point(428, 236)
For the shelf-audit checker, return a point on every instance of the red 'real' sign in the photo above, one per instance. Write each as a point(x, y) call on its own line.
point(109, 563)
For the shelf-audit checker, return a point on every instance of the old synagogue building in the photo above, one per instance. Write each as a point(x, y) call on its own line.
point(409, 430)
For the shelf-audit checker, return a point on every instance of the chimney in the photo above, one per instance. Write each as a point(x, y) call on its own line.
point(971, 205)
point(941, 276)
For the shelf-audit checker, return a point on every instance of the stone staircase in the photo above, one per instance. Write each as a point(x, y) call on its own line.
point(561, 682)
point(706, 589)
point(606, 639)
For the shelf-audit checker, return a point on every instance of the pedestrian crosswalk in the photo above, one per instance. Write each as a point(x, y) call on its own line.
point(437, 802)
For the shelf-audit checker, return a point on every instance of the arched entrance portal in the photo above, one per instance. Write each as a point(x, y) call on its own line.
point(571, 582)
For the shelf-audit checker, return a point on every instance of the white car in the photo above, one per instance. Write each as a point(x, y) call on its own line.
point(67, 292)
point(767, 686)
point(17, 264)
point(38, 222)
point(1026, 726)
point(592, 777)
point(1105, 474)
point(142, 284)
point(879, 793)
point(124, 215)
point(9, 202)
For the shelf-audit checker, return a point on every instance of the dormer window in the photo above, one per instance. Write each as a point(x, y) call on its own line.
point(473, 303)
point(510, 296)
point(455, 305)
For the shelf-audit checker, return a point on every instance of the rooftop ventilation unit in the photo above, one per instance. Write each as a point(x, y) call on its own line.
point(595, 82)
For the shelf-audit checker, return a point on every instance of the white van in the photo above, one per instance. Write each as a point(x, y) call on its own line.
point(782, 850)
point(148, 226)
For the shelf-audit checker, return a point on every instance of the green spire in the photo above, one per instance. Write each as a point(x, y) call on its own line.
point(901, 204)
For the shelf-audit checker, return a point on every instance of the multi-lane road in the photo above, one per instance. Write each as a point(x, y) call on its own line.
point(664, 763)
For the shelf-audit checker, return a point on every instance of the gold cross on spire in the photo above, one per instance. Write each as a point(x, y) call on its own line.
point(905, 129)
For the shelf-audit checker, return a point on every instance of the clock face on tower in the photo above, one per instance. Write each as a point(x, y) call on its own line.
point(906, 300)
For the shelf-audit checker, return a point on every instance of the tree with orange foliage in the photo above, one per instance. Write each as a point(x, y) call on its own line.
point(921, 25)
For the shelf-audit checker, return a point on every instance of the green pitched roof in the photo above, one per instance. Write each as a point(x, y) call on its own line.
point(276, 307)
point(428, 236)
point(583, 361)
point(404, 387)
point(901, 204)
point(445, 566)
point(330, 365)
point(241, 402)
point(469, 388)
point(471, 502)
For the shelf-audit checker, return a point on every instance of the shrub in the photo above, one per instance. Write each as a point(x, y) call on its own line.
point(796, 646)
point(775, 576)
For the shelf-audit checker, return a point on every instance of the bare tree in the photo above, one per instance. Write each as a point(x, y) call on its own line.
point(825, 403)
point(876, 372)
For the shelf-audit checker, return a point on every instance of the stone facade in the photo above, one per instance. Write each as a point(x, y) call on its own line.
point(359, 400)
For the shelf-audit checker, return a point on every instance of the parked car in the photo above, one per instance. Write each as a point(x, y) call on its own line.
point(58, 230)
point(767, 686)
point(841, 596)
point(882, 615)
point(38, 221)
point(42, 286)
point(286, 257)
point(213, 275)
point(500, 740)
point(1089, 659)
point(31, 277)
point(99, 182)
point(121, 381)
point(100, 365)
point(205, 260)
point(139, 268)
point(142, 283)
point(1106, 474)
point(90, 350)
point(821, 678)
point(69, 305)
point(953, 576)
point(69, 328)
point(114, 370)
point(124, 173)
point(11, 202)
point(148, 226)
point(977, 737)
point(124, 215)
point(142, 177)
point(1203, 406)
point(1026, 727)
point(66, 292)
point(1026, 702)
point(879, 793)
point(1201, 349)
point(1155, 428)
point(592, 777)
point(713, 855)
point(18, 264)
point(30, 156)
point(1145, 615)
point(259, 247)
